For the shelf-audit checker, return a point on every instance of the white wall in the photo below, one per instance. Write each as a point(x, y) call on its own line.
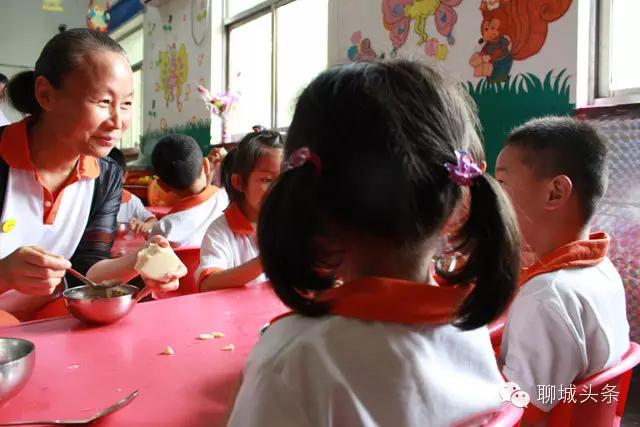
point(25, 28)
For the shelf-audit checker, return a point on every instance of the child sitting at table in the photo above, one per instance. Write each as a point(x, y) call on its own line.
point(132, 211)
point(568, 320)
point(367, 188)
point(182, 169)
point(229, 252)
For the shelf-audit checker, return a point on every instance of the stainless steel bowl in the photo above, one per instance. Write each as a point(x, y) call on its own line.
point(17, 360)
point(100, 305)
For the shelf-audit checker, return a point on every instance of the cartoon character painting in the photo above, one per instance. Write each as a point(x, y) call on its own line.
point(174, 69)
point(98, 16)
point(361, 49)
point(398, 14)
point(512, 30)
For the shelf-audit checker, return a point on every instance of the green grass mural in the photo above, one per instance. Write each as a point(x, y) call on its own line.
point(503, 106)
point(200, 131)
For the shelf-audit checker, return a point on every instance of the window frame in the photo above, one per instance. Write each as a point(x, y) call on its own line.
point(244, 17)
point(602, 93)
point(130, 27)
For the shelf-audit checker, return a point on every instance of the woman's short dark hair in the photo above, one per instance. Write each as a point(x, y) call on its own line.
point(59, 57)
point(383, 132)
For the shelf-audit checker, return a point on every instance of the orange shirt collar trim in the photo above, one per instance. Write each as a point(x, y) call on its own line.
point(582, 253)
point(126, 197)
point(14, 149)
point(394, 301)
point(238, 222)
point(195, 200)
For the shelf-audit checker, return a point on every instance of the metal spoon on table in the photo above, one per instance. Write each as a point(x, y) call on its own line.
point(119, 404)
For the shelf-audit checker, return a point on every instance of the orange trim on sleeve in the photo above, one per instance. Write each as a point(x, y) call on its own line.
point(238, 222)
point(195, 200)
point(206, 273)
point(126, 197)
point(582, 253)
point(6, 319)
point(14, 149)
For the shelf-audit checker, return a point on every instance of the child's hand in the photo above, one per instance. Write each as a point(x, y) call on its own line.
point(32, 270)
point(136, 226)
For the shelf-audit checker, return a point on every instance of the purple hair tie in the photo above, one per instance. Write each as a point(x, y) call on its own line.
point(301, 156)
point(465, 171)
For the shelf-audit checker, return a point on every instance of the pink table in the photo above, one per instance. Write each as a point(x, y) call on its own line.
point(81, 369)
point(128, 243)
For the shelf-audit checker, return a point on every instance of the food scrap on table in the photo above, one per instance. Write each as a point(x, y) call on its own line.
point(228, 347)
point(168, 351)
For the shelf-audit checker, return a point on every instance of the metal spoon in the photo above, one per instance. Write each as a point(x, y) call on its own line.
point(119, 404)
point(88, 281)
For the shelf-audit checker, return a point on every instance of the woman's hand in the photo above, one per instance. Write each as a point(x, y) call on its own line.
point(171, 280)
point(32, 270)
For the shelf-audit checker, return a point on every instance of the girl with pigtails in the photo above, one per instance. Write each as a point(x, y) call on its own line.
point(375, 165)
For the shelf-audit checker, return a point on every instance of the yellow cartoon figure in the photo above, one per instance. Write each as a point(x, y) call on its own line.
point(420, 11)
point(398, 15)
point(174, 70)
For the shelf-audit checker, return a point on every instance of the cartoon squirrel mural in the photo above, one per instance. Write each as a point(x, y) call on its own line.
point(512, 30)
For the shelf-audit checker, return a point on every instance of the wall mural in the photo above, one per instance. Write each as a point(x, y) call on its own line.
point(360, 49)
point(512, 30)
point(174, 72)
point(399, 14)
point(177, 49)
point(98, 16)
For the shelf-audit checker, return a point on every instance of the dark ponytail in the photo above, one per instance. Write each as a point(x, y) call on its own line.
point(289, 218)
point(21, 93)
point(383, 132)
point(62, 54)
point(490, 239)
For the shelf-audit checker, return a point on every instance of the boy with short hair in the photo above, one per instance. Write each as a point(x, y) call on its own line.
point(182, 169)
point(568, 320)
point(132, 211)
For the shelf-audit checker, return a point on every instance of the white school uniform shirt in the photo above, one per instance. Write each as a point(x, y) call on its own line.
point(187, 222)
point(342, 371)
point(563, 326)
point(31, 215)
point(132, 207)
point(229, 242)
point(3, 119)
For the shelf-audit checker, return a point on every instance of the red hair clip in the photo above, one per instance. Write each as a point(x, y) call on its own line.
point(301, 156)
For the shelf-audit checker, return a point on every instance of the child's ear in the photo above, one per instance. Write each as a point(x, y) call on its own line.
point(206, 166)
point(236, 182)
point(483, 166)
point(560, 189)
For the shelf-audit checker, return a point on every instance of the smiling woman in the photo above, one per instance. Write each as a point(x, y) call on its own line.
point(59, 194)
